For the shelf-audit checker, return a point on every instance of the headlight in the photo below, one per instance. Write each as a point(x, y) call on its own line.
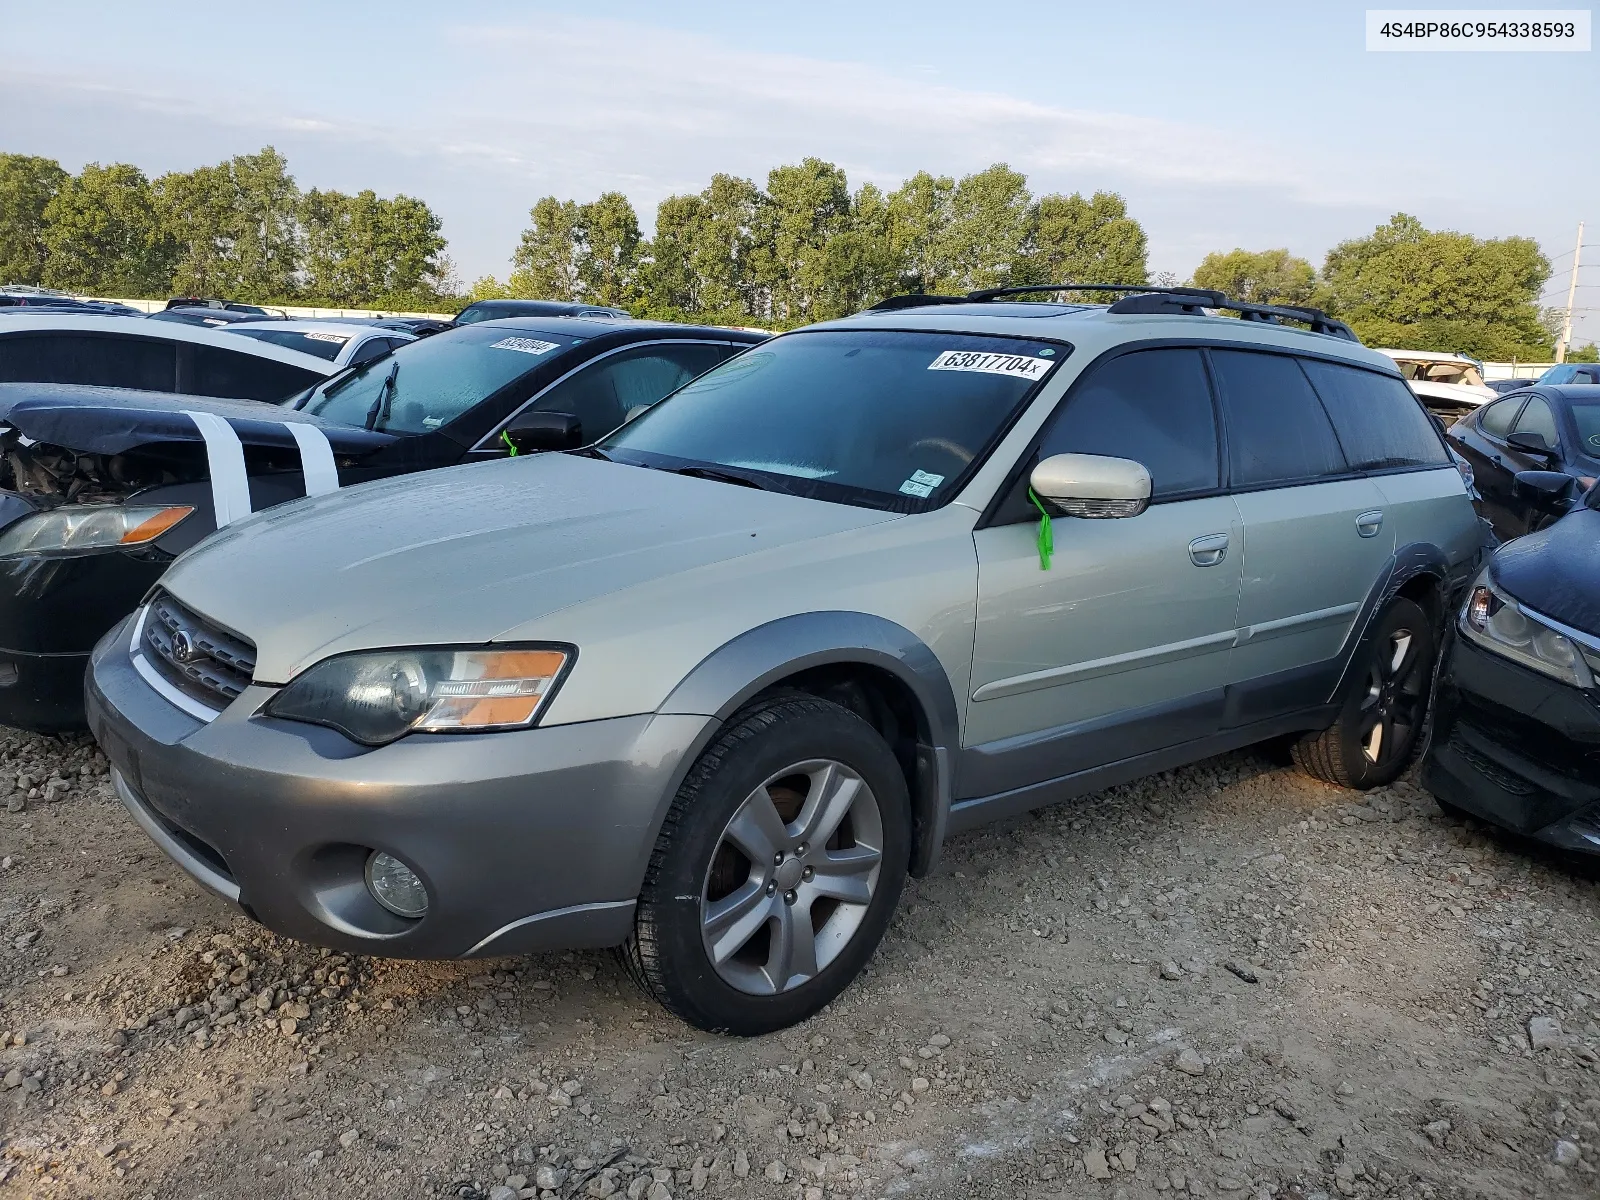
point(1496, 622)
point(377, 697)
point(74, 528)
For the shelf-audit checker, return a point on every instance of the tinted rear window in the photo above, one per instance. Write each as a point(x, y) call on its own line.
point(1379, 422)
point(210, 371)
point(103, 360)
point(1278, 432)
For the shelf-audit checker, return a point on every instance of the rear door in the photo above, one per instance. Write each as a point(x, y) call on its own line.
point(1481, 440)
point(1316, 536)
point(1121, 647)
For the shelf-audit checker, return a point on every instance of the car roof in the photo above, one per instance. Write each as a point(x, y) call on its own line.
point(1442, 356)
point(349, 328)
point(590, 327)
point(1589, 392)
point(172, 331)
point(1092, 328)
point(541, 307)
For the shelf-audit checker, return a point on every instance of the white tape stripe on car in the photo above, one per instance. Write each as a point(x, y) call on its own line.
point(316, 458)
point(230, 486)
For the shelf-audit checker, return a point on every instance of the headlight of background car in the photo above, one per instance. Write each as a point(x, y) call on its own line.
point(73, 528)
point(1496, 622)
point(377, 697)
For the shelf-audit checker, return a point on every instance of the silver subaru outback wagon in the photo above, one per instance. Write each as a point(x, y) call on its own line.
point(709, 689)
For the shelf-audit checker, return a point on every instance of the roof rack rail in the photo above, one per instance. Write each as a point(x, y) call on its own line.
point(1146, 298)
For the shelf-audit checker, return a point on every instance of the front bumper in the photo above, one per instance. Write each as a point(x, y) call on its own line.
point(528, 840)
point(1516, 748)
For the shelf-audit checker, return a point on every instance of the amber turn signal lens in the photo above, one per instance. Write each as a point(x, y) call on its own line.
point(149, 529)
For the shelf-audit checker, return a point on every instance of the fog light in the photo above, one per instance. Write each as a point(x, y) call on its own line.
point(396, 886)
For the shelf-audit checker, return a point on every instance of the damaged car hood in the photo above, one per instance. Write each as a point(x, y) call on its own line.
point(103, 420)
point(466, 554)
point(1556, 571)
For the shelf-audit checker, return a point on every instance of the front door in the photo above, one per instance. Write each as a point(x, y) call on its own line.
point(1122, 645)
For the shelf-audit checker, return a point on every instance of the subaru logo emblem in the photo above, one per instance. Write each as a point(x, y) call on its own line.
point(183, 647)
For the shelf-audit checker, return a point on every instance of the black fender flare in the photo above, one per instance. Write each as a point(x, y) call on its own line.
point(730, 676)
point(1407, 563)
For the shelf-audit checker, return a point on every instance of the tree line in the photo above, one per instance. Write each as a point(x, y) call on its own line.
point(240, 229)
point(804, 247)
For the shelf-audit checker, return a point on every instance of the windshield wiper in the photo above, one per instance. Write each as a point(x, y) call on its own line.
point(721, 476)
point(379, 405)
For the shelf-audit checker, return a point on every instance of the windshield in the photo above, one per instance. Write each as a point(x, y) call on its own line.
point(1586, 415)
point(323, 345)
point(429, 383)
point(1441, 372)
point(885, 420)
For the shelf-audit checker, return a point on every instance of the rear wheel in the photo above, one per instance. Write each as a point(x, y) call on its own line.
point(776, 870)
point(1385, 707)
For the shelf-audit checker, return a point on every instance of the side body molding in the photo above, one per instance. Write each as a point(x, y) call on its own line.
point(755, 660)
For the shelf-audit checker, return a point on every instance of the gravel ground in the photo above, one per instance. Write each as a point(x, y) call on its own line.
point(1225, 980)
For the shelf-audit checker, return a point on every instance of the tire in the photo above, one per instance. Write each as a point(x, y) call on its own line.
point(1390, 690)
point(720, 939)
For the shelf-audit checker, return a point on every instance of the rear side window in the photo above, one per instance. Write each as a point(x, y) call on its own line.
point(1496, 419)
point(603, 394)
point(209, 371)
point(97, 359)
point(1153, 406)
point(1278, 432)
point(1379, 422)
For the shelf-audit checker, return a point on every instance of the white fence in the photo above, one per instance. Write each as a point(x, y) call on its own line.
point(1515, 370)
point(292, 310)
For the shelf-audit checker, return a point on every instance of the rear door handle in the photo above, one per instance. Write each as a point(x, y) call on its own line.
point(1368, 523)
point(1208, 551)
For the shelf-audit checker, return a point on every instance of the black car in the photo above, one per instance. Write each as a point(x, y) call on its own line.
point(215, 318)
point(101, 487)
point(1517, 726)
point(1502, 386)
point(1540, 428)
point(497, 310)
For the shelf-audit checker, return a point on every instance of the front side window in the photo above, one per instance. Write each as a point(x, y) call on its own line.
point(604, 393)
point(874, 418)
point(429, 383)
point(1537, 418)
point(1379, 422)
point(1153, 406)
point(1496, 419)
point(1278, 432)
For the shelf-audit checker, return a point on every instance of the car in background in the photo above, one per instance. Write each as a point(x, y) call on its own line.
point(1516, 738)
point(710, 688)
point(100, 489)
point(105, 350)
point(1501, 386)
point(1448, 384)
point(212, 318)
point(1538, 428)
point(496, 310)
point(254, 310)
point(1572, 373)
point(343, 343)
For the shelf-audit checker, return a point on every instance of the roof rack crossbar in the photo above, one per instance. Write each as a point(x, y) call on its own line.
point(996, 293)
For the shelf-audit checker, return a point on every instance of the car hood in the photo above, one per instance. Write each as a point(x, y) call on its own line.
point(1458, 393)
point(103, 420)
point(1556, 572)
point(465, 554)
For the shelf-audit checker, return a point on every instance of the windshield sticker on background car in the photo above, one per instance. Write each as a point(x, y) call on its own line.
point(524, 345)
point(338, 339)
point(921, 484)
point(1016, 365)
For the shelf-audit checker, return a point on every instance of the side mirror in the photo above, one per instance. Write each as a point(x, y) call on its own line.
point(1531, 443)
point(1092, 485)
point(531, 432)
point(1548, 491)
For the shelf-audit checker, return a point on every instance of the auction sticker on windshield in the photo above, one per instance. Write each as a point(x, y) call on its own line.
point(338, 339)
point(1019, 366)
point(524, 345)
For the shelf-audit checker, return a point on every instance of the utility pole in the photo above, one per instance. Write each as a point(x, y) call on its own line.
point(1572, 291)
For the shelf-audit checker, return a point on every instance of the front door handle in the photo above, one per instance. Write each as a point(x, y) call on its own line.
point(1368, 523)
point(1208, 551)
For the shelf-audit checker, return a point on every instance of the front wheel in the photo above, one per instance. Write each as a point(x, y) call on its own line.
point(776, 871)
point(1380, 722)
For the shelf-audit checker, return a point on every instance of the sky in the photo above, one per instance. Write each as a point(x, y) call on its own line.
point(1223, 125)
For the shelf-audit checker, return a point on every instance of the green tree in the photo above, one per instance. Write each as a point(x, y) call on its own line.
point(27, 185)
point(363, 250)
point(608, 251)
point(703, 262)
point(1259, 276)
point(1414, 289)
point(919, 213)
point(986, 238)
point(1589, 353)
point(104, 235)
point(1086, 241)
point(545, 266)
point(235, 227)
point(807, 210)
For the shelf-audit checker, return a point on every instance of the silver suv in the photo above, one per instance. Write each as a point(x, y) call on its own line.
point(709, 689)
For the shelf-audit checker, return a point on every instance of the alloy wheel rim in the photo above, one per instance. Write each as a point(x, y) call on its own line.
point(1391, 711)
point(792, 877)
